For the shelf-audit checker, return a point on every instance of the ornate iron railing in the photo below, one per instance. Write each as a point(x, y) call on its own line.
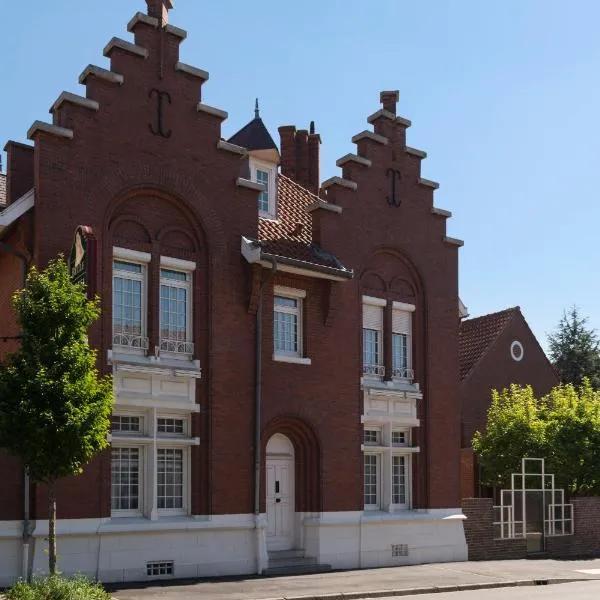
point(176, 346)
point(128, 340)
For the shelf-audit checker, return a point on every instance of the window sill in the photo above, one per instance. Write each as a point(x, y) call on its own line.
point(297, 360)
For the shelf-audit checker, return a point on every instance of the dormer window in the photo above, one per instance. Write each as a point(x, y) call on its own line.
point(265, 173)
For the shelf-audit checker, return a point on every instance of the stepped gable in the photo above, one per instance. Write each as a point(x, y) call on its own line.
point(2, 190)
point(290, 235)
point(476, 336)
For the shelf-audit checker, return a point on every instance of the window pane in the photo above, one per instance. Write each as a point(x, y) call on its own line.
point(169, 471)
point(286, 332)
point(371, 476)
point(281, 301)
point(125, 481)
point(127, 300)
point(173, 275)
point(400, 354)
point(372, 436)
point(121, 423)
point(121, 265)
point(371, 354)
point(170, 426)
point(173, 313)
point(263, 197)
point(399, 480)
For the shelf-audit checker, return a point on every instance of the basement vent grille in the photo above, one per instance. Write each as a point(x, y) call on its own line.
point(159, 568)
point(399, 550)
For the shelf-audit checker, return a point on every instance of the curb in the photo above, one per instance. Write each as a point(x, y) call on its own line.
point(432, 589)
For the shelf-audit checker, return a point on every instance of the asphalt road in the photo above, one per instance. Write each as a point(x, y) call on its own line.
point(581, 590)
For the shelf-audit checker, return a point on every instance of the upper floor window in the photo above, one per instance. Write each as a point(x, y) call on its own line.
point(402, 341)
point(129, 299)
point(175, 304)
point(265, 173)
point(373, 336)
point(288, 325)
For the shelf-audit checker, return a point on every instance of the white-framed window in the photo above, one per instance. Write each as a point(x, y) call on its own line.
point(129, 305)
point(176, 307)
point(402, 341)
point(126, 481)
point(372, 437)
point(400, 437)
point(372, 475)
point(287, 322)
point(265, 173)
point(400, 480)
point(372, 336)
point(151, 454)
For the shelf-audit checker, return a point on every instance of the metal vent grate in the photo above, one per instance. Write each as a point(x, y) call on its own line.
point(159, 568)
point(399, 550)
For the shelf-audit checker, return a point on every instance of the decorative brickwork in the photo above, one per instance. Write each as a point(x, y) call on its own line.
point(586, 541)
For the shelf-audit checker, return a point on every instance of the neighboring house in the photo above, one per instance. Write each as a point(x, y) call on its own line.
point(495, 350)
point(284, 351)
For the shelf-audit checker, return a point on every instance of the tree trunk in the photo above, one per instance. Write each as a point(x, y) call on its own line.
point(51, 529)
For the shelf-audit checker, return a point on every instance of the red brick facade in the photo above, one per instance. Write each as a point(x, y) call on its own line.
point(179, 194)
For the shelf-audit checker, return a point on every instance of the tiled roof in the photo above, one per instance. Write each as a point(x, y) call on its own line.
point(2, 190)
point(254, 136)
point(290, 235)
point(477, 335)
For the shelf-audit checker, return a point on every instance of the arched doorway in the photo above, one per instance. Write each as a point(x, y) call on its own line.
point(280, 493)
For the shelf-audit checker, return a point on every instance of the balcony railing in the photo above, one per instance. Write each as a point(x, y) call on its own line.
point(129, 340)
point(402, 374)
point(374, 371)
point(177, 347)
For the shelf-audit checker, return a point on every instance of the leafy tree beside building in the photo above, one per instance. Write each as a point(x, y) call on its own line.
point(54, 405)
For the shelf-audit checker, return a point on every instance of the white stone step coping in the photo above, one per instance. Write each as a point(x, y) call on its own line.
point(346, 183)
point(211, 110)
point(75, 99)
point(40, 126)
point(427, 182)
point(361, 160)
point(93, 70)
point(441, 212)
point(369, 135)
point(118, 43)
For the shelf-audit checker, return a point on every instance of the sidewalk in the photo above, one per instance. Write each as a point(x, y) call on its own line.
point(393, 581)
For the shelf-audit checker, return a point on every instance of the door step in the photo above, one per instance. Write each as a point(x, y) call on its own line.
point(293, 562)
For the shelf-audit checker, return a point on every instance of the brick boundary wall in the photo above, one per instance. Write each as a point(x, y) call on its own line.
point(479, 533)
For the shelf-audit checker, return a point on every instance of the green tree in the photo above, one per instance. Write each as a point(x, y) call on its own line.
point(514, 431)
point(54, 405)
point(574, 350)
point(562, 427)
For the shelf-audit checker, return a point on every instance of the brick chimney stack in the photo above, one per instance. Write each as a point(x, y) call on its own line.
point(159, 9)
point(389, 100)
point(300, 156)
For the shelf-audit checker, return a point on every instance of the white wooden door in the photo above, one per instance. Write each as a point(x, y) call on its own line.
point(280, 502)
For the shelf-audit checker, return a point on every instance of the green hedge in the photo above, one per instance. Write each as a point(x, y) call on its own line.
point(58, 588)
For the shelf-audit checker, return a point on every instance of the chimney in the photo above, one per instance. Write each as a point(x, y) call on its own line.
point(19, 170)
point(159, 9)
point(389, 100)
point(300, 156)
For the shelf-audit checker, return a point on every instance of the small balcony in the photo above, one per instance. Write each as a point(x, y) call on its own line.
point(402, 374)
point(179, 348)
point(374, 371)
point(130, 341)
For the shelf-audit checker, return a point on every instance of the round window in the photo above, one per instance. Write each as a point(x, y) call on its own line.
point(516, 351)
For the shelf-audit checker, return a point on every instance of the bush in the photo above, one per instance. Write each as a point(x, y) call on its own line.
point(58, 588)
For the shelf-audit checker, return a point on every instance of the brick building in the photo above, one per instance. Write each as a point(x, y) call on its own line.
point(286, 375)
point(495, 350)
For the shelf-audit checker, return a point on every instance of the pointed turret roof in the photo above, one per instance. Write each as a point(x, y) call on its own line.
point(254, 135)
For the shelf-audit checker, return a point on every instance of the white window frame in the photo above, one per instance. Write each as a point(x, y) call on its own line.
point(139, 511)
point(378, 471)
point(141, 259)
point(271, 169)
point(166, 444)
point(403, 307)
point(300, 296)
point(374, 371)
point(407, 481)
point(177, 348)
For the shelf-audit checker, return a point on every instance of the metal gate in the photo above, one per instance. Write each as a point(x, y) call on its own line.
point(533, 508)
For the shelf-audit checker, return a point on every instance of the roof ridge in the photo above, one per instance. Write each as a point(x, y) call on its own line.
point(492, 314)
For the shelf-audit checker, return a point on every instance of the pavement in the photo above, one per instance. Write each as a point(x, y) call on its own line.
point(372, 583)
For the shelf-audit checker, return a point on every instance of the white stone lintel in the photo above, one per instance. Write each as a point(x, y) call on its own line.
point(427, 182)
point(360, 160)
point(141, 17)
point(369, 135)
point(211, 110)
point(351, 185)
point(251, 185)
point(118, 43)
point(40, 126)
point(75, 99)
point(325, 206)
point(415, 152)
point(101, 74)
point(193, 71)
point(386, 114)
point(223, 145)
point(453, 241)
point(441, 212)
point(176, 31)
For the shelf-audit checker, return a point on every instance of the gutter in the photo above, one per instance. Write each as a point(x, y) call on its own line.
point(258, 526)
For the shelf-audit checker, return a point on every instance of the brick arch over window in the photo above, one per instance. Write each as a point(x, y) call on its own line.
point(307, 454)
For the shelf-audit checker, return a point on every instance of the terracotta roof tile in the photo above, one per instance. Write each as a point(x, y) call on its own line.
point(477, 335)
point(2, 190)
point(290, 235)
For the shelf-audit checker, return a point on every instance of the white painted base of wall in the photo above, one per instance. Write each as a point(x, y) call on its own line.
point(117, 550)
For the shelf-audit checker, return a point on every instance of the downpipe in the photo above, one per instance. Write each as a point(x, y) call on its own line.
point(258, 526)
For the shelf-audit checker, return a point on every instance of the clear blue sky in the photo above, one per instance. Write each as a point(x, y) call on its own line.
point(504, 96)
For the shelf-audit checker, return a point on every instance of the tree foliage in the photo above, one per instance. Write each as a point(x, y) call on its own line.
point(54, 405)
point(562, 427)
point(575, 350)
